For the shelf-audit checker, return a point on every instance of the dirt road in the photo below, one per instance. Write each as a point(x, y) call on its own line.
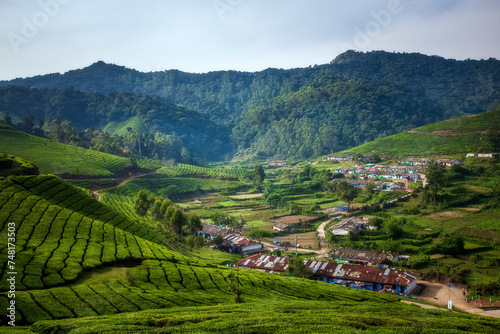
point(95, 192)
point(438, 293)
point(321, 237)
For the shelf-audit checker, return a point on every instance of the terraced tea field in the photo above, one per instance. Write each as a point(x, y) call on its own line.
point(173, 187)
point(185, 170)
point(60, 231)
point(294, 316)
point(175, 281)
point(55, 158)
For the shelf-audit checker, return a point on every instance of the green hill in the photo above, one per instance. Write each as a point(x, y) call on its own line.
point(55, 158)
point(298, 113)
point(457, 136)
point(75, 257)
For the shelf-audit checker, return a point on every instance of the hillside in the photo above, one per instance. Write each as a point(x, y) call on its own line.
point(276, 317)
point(115, 113)
point(75, 257)
point(359, 96)
point(472, 133)
point(55, 158)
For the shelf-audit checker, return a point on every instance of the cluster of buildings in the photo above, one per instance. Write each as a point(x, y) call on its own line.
point(351, 224)
point(351, 275)
point(479, 155)
point(277, 163)
point(335, 211)
point(347, 157)
point(426, 161)
point(363, 257)
point(233, 242)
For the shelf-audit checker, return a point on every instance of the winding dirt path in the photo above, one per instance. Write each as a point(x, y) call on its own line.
point(95, 192)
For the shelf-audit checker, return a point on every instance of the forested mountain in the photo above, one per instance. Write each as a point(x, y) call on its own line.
point(306, 112)
point(116, 113)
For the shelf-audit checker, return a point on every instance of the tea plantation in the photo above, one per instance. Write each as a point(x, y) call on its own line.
point(64, 238)
point(56, 158)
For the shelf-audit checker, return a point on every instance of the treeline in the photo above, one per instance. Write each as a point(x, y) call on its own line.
point(148, 120)
point(171, 220)
point(301, 112)
point(156, 146)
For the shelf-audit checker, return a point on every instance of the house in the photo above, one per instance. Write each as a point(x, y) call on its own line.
point(414, 177)
point(367, 157)
point(354, 224)
point(351, 275)
point(277, 163)
point(395, 186)
point(279, 226)
point(361, 256)
point(415, 161)
point(236, 243)
point(470, 155)
point(448, 162)
point(344, 157)
point(210, 231)
point(485, 155)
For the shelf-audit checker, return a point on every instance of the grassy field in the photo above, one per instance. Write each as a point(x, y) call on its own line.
point(55, 158)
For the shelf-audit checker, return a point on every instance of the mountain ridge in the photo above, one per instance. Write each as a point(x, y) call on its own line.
point(437, 88)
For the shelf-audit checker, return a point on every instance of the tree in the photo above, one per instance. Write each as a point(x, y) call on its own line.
point(435, 179)
point(221, 218)
point(329, 138)
point(452, 244)
point(240, 223)
point(177, 221)
point(346, 191)
point(392, 228)
point(297, 268)
point(369, 188)
point(259, 234)
point(142, 204)
point(217, 240)
point(194, 223)
point(156, 210)
point(258, 176)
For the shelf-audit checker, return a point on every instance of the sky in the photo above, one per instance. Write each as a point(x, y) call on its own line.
point(48, 36)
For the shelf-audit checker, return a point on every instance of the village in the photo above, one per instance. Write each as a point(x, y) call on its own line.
point(355, 268)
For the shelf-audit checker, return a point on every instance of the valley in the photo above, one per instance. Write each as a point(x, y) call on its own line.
point(137, 202)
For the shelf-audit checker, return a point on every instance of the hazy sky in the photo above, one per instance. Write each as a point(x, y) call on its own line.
point(46, 36)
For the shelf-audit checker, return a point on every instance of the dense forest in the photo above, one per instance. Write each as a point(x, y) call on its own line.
point(141, 124)
point(296, 113)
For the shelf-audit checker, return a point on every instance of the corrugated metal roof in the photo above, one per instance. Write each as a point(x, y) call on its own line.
point(333, 269)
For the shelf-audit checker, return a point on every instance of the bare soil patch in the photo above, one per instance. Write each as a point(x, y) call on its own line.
point(304, 240)
point(293, 219)
point(445, 215)
point(439, 293)
point(470, 209)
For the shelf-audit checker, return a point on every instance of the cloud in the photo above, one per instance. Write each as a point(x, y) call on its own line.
point(251, 35)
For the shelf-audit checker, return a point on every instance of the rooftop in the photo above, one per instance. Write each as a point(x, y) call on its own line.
point(271, 263)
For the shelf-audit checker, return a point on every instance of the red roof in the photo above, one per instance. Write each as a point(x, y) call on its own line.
point(333, 270)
